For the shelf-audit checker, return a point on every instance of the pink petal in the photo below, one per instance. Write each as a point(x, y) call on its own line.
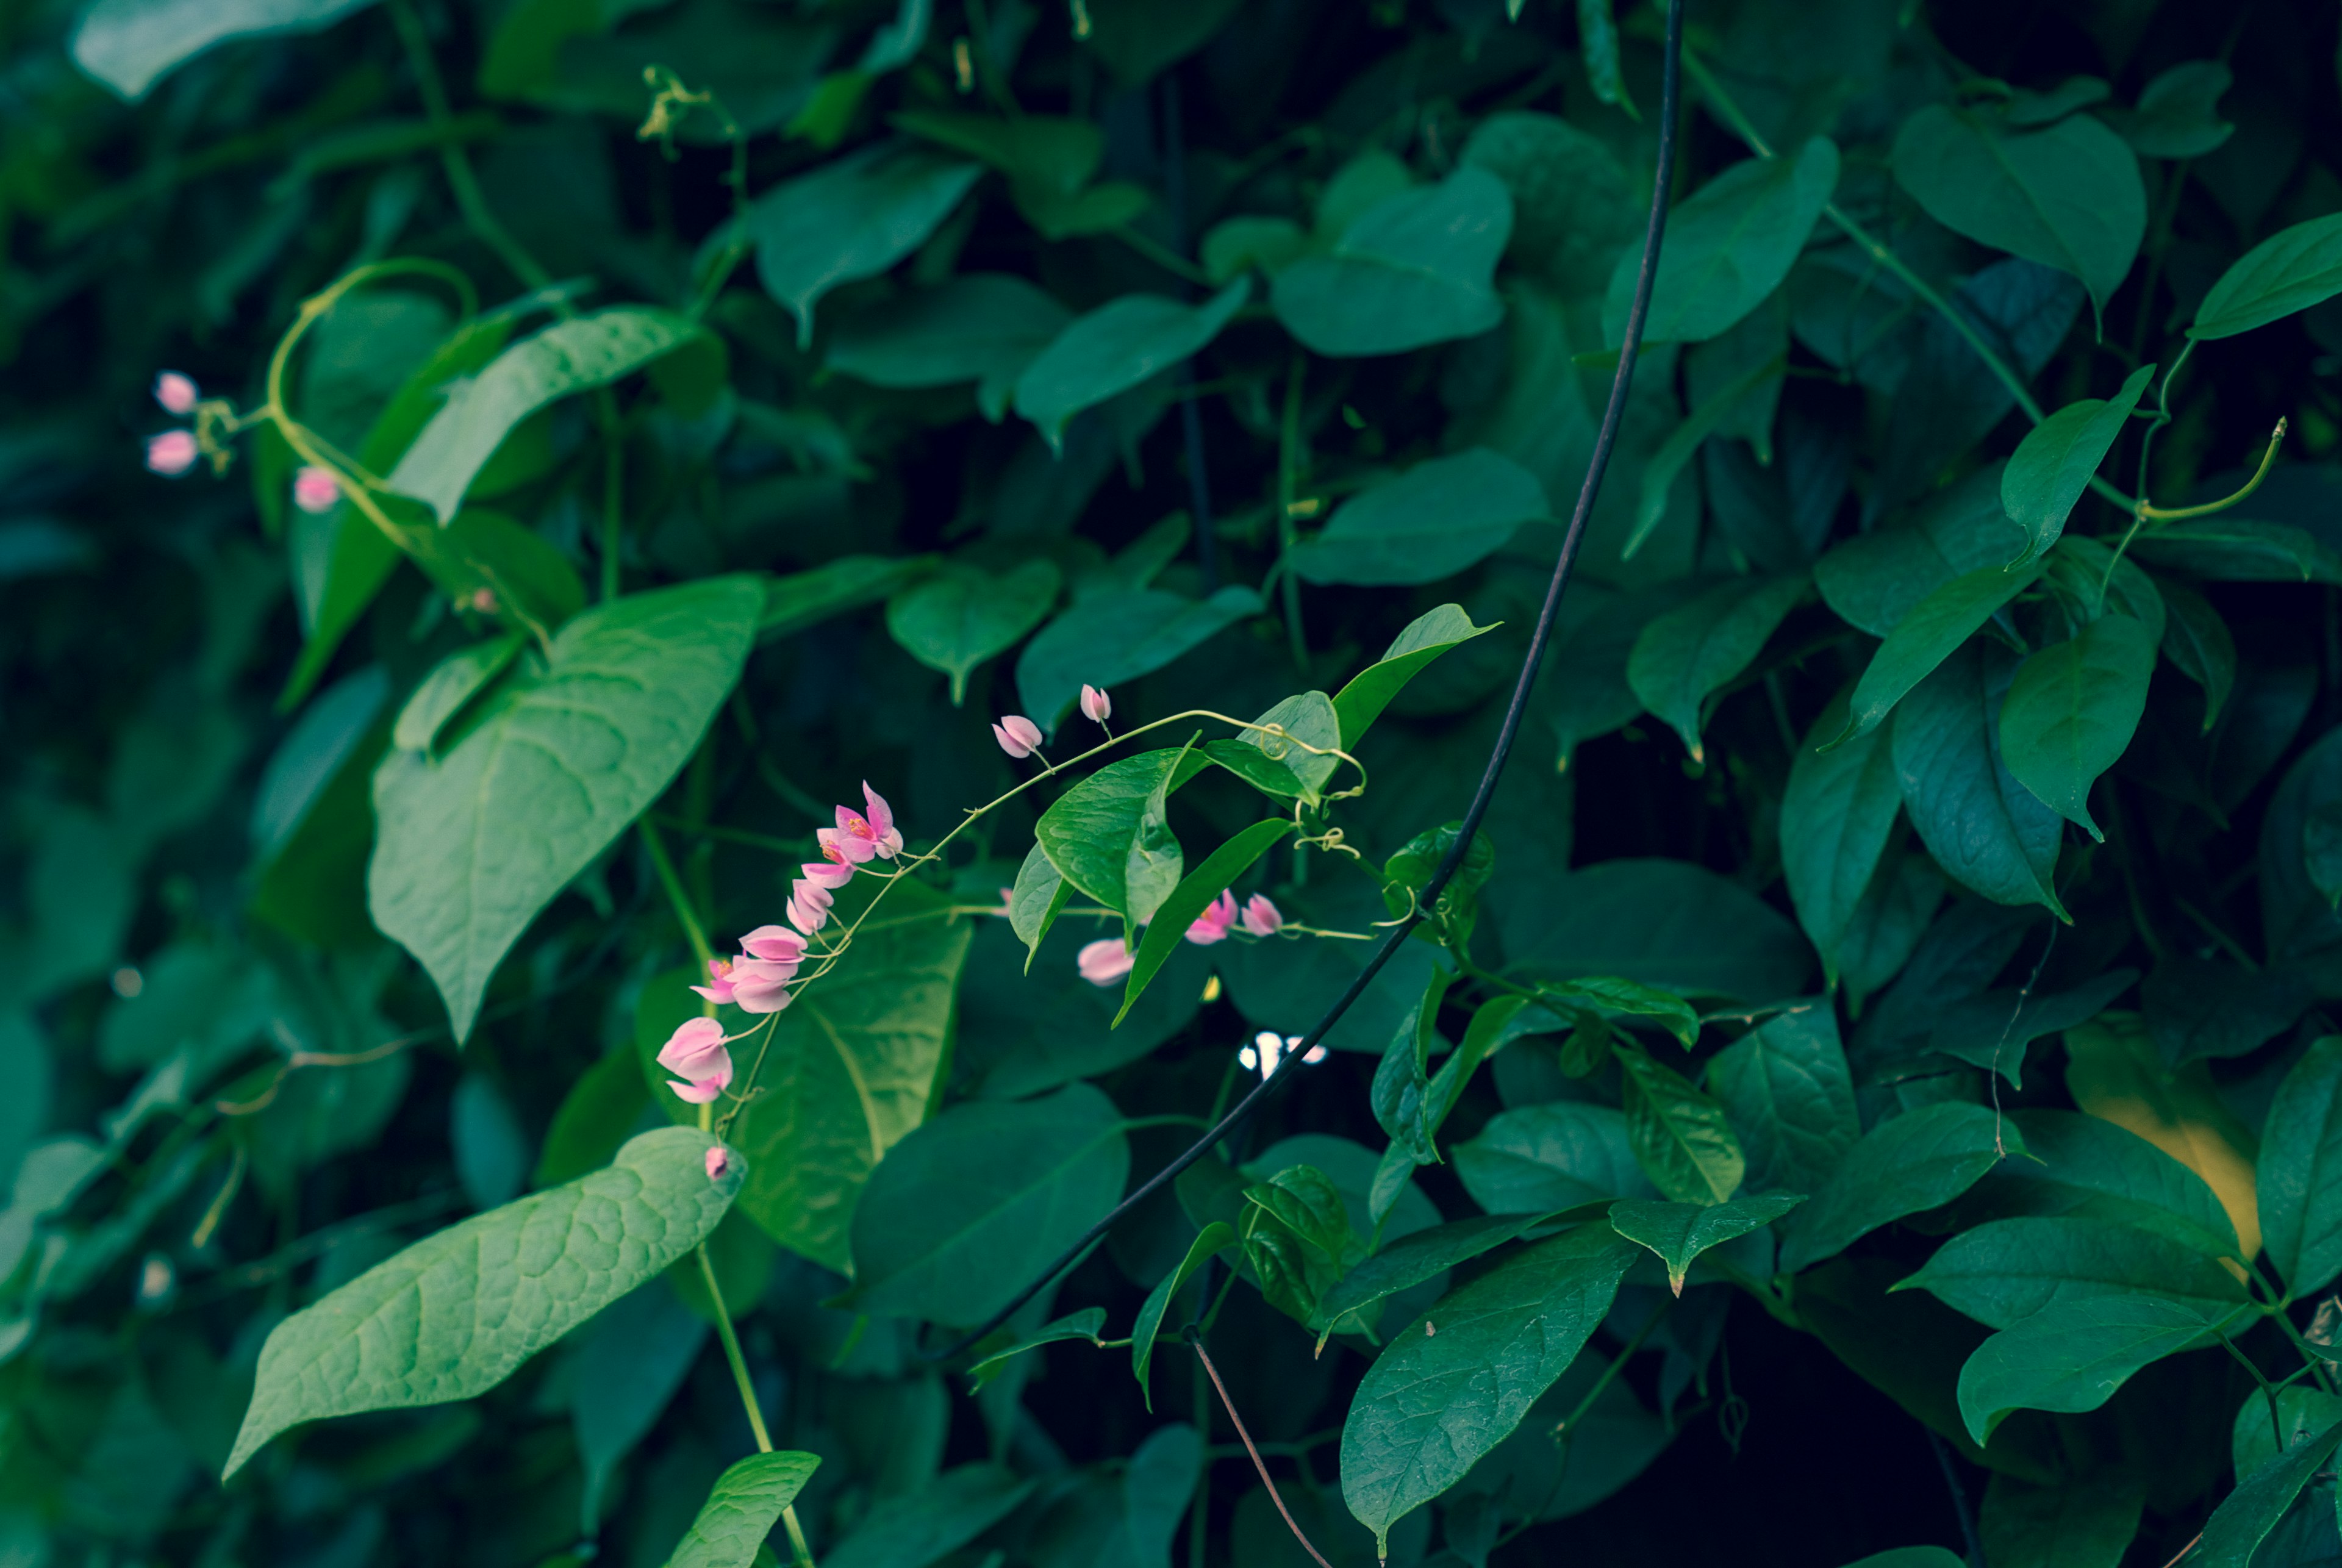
point(778, 943)
point(695, 1094)
point(827, 874)
point(1104, 962)
point(807, 918)
point(718, 1162)
point(1096, 705)
point(1260, 916)
point(761, 997)
point(175, 392)
point(172, 452)
point(316, 490)
point(1018, 735)
point(882, 815)
point(846, 847)
point(694, 1047)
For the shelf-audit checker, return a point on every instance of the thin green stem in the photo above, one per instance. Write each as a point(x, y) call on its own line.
point(1290, 462)
point(739, 1363)
point(692, 931)
point(1568, 1424)
point(483, 222)
point(1162, 255)
point(2268, 460)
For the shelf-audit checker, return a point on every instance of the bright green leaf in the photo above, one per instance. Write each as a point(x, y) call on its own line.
point(1194, 893)
point(742, 1509)
point(2072, 711)
point(1930, 634)
point(1213, 1240)
point(2073, 1354)
point(1728, 246)
point(1679, 1135)
point(130, 45)
point(851, 219)
point(1369, 691)
point(2057, 458)
point(1099, 830)
point(1415, 269)
point(1678, 1232)
point(1919, 1160)
point(1432, 522)
point(2290, 271)
point(963, 615)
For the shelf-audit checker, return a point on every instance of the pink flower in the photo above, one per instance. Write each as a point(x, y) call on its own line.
point(1260, 916)
point(876, 830)
point(1096, 705)
point(1104, 962)
point(843, 847)
point(1018, 735)
point(809, 905)
point(774, 943)
point(172, 452)
point(718, 1162)
point(827, 874)
point(1007, 903)
point(758, 986)
point(696, 1052)
point(315, 490)
point(1212, 925)
point(175, 392)
point(718, 988)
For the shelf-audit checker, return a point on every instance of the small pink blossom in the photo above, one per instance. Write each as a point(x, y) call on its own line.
point(1018, 735)
point(759, 986)
point(175, 392)
point(843, 847)
point(696, 1052)
point(829, 874)
point(314, 490)
point(1096, 705)
point(718, 1162)
point(1260, 916)
point(1212, 925)
point(1007, 903)
point(809, 905)
point(718, 988)
point(172, 452)
point(1104, 961)
point(774, 943)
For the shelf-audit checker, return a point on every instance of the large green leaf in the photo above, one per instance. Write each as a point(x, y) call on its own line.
point(2291, 270)
point(1874, 579)
point(1431, 522)
point(930, 1523)
point(1984, 828)
point(2072, 711)
point(1434, 1403)
point(1192, 895)
point(1107, 835)
point(1687, 655)
point(2004, 1271)
point(1727, 248)
point(1928, 634)
point(574, 355)
point(1662, 922)
point(2057, 458)
point(2068, 196)
point(131, 45)
point(1679, 1233)
point(1836, 817)
point(561, 758)
point(1414, 269)
point(1106, 639)
point(1680, 1136)
point(1790, 1096)
point(1919, 1160)
point(2085, 1523)
point(2298, 1178)
point(2247, 1515)
point(966, 1209)
point(2073, 1354)
point(1362, 701)
point(1210, 1242)
point(2090, 1168)
point(1410, 1261)
point(742, 1509)
point(963, 615)
point(1114, 348)
point(850, 219)
point(1539, 1159)
point(453, 1316)
point(984, 327)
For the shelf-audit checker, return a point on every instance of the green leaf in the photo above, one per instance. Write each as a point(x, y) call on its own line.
point(1286, 730)
point(1597, 39)
point(1213, 1240)
point(471, 846)
point(1137, 38)
point(961, 1214)
point(1035, 901)
point(2072, 711)
point(2073, 1354)
point(2086, 1524)
point(594, 1119)
point(1837, 816)
point(1661, 922)
point(1048, 159)
point(2300, 1173)
point(1929, 635)
point(2259, 1434)
point(1234, 246)
point(1874, 579)
point(2247, 1515)
point(1362, 701)
point(488, 560)
point(1991, 1031)
point(963, 615)
point(1544, 1159)
point(452, 683)
point(1401, 1090)
point(1683, 442)
point(1109, 826)
point(1678, 1232)
point(930, 1523)
point(1920, 1160)
point(1431, 1403)
point(1088, 1323)
point(1414, 269)
point(452, 1317)
point(1679, 1136)
point(1574, 206)
point(1612, 998)
point(2196, 639)
point(2069, 196)
point(1429, 523)
point(853, 218)
point(1411, 1260)
point(984, 327)
point(2239, 550)
point(1114, 348)
point(569, 357)
point(131, 45)
point(1193, 895)
point(1790, 1096)
point(1409, 869)
point(806, 599)
point(1298, 1238)
point(1685, 656)
point(742, 1509)
point(2004, 1271)
point(2290, 271)
point(2088, 1167)
point(1728, 246)
point(1984, 828)
point(2057, 458)
point(1112, 638)
point(2178, 112)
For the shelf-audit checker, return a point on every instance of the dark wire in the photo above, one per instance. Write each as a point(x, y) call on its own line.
point(1514, 713)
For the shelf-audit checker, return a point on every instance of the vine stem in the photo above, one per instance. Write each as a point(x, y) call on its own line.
point(1598, 465)
point(477, 216)
point(1195, 1343)
point(739, 1363)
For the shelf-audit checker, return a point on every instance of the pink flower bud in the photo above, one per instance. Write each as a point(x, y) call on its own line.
point(827, 874)
point(1104, 962)
point(809, 905)
point(175, 392)
point(1018, 735)
point(695, 1051)
point(774, 943)
point(315, 490)
point(172, 452)
point(1096, 704)
point(718, 1162)
point(1212, 925)
point(1260, 916)
point(718, 988)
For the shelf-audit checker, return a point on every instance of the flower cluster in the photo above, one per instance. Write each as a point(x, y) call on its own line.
point(859, 837)
point(1107, 960)
point(175, 452)
point(1020, 737)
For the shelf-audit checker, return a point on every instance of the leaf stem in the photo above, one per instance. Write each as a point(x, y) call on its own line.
point(692, 929)
point(2268, 459)
point(797, 1545)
